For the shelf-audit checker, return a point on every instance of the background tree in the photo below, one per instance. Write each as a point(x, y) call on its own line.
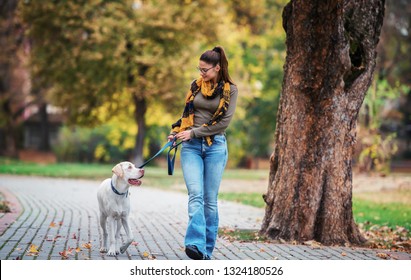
point(331, 52)
point(14, 78)
point(84, 53)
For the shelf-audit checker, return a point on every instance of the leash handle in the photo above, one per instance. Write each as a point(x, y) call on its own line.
point(170, 157)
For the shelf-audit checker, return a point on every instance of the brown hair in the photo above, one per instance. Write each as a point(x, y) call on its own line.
point(217, 56)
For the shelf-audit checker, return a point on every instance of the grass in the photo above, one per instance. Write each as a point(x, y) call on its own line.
point(158, 175)
point(65, 170)
point(383, 214)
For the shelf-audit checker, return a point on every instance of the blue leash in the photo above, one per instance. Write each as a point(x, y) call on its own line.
point(171, 157)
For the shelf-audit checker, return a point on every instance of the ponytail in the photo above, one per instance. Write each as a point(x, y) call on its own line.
point(217, 56)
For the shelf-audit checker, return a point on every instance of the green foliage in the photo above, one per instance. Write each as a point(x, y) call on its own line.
point(262, 57)
point(377, 152)
point(102, 144)
point(86, 52)
point(376, 146)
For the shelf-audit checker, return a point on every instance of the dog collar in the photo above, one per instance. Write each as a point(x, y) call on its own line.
point(116, 191)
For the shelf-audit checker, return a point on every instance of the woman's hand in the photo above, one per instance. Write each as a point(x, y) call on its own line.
point(184, 135)
point(170, 137)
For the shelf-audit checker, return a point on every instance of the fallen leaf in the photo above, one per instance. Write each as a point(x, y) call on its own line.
point(86, 245)
point(343, 254)
point(33, 249)
point(57, 236)
point(64, 255)
point(313, 244)
point(382, 256)
point(74, 236)
point(145, 254)
point(52, 224)
point(134, 243)
point(78, 249)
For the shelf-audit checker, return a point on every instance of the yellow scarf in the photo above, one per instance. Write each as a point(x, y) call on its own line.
point(187, 120)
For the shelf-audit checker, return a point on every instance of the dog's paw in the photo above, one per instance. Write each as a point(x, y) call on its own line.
point(103, 250)
point(112, 253)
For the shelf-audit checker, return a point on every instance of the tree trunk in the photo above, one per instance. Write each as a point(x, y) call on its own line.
point(331, 51)
point(10, 41)
point(45, 132)
point(141, 108)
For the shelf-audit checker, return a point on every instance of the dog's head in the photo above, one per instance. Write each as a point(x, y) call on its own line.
point(128, 172)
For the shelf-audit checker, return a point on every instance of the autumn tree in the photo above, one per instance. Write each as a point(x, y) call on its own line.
point(331, 53)
point(14, 78)
point(87, 53)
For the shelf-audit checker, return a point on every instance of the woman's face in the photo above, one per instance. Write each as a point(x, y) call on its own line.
point(208, 71)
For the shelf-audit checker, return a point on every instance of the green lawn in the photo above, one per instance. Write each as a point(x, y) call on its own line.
point(158, 176)
point(384, 214)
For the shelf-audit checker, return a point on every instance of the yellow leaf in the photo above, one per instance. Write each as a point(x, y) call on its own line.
point(33, 249)
point(52, 224)
point(86, 245)
point(146, 254)
point(78, 249)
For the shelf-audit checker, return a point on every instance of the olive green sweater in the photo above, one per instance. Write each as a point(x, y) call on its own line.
point(204, 110)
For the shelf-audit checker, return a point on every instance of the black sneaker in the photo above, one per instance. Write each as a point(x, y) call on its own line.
point(193, 253)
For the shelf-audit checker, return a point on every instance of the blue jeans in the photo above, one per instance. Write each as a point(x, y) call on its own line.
point(203, 168)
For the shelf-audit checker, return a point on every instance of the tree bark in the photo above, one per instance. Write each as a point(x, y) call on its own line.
point(331, 51)
point(140, 111)
point(45, 132)
point(11, 38)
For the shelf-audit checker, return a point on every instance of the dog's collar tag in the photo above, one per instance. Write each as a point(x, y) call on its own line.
point(116, 191)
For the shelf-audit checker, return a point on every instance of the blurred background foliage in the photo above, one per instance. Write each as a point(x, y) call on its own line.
point(116, 72)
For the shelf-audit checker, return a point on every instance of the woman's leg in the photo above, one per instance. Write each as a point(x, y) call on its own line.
point(192, 166)
point(214, 163)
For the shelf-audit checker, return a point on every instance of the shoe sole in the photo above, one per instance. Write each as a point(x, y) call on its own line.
point(193, 255)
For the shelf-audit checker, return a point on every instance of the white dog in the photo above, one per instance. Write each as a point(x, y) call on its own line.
point(114, 203)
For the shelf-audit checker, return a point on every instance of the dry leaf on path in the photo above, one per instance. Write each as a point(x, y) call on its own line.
point(33, 250)
point(86, 245)
point(383, 256)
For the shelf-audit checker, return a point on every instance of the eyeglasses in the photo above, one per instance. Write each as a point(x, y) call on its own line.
point(204, 70)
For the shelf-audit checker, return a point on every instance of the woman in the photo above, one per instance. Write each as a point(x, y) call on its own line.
point(209, 108)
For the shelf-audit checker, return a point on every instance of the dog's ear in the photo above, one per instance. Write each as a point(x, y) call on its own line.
point(118, 170)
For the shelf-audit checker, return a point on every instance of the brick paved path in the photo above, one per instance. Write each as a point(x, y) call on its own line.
point(58, 214)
